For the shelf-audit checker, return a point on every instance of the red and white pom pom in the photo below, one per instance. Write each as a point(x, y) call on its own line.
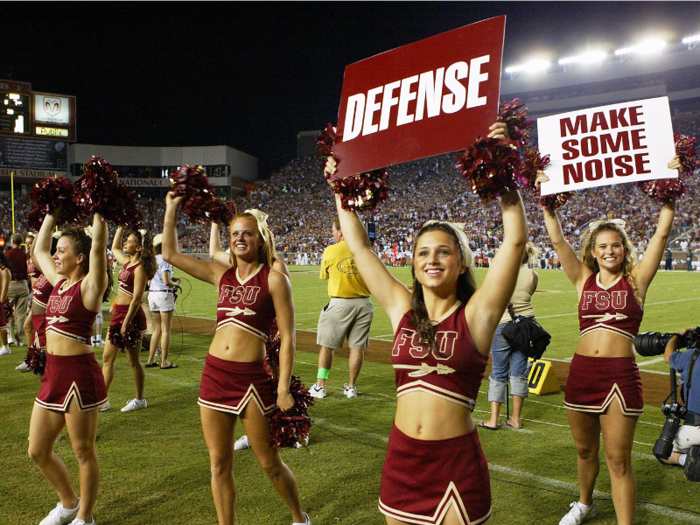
point(272, 349)
point(670, 190)
point(130, 338)
point(201, 205)
point(51, 194)
point(532, 162)
point(35, 359)
point(491, 166)
point(514, 114)
point(326, 141)
point(362, 192)
point(291, 427)
point(687, 154)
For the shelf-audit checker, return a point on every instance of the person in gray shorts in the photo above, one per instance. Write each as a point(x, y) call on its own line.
point(349, 313)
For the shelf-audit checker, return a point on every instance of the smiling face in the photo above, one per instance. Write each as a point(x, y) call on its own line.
point(437, 260)
point(65, 259)
point(245, 239)
point(609, 251)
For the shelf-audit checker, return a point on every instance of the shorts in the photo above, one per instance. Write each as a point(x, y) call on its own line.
point(345, 317)
point(39, 323)
point(120, 311)
point(68, 377)
point(161, 301)
point(687, 436)
point(422, 479)
point(595, 381)
point(228, 386)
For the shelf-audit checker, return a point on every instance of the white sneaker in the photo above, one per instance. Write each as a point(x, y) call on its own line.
point(241, 444)
point(76, 521)
point(319, 392)
point(135, 404)
point(307, 522)
point(104, 407)
point(22, 367)
point(306, 442)
point(579, 513)
point(11, 340)
point(5, 350)
point(350, 391)
point(98, 342)
point(60, 515)
point(159, 352)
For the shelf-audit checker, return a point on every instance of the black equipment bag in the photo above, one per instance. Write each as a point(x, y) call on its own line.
point(525, 335)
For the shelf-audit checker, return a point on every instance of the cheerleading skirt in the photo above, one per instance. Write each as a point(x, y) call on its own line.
point(120, 311)
point(68, 377)
point(594, 382)
point(228, 386)
point(421, 479)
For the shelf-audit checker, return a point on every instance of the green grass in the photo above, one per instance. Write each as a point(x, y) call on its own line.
point(155, 466)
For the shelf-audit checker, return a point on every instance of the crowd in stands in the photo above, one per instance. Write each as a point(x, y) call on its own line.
point(301, 208)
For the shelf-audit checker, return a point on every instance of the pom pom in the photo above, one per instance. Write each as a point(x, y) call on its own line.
point(291, 427)
point(362, 192)
point(687, 154)
point(552, 202)
point(131, 336)
point(50, 195)
point(272, 349)
point(532, 162)
point(122, 211)
point(9, 309)
point(515, 117)
point(664, 190)
point(326, 141)
point(35, 359)
point(201, 205)
point(491, 166)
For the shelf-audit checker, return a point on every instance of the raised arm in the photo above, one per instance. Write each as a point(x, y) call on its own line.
point(95, 282)
point(393, 296)
point(488, 303)
point(281, 292)
point(209, 272)
point(117, 244)
point(645, 271)
point(215, 251)
point(42, 249)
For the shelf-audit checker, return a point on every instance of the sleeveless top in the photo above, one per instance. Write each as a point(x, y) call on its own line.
point(613, 308)
point(41, 291)
point(66, 315)
point(126, 279)
point(246, 304)
point(454, 374)
point(32, 272)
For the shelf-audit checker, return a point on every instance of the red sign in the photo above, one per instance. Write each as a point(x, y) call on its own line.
point(430, 97)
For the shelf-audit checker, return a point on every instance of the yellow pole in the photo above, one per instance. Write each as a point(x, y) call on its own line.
point(12, 196)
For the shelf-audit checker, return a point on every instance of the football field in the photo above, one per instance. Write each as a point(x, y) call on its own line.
point(155, 467)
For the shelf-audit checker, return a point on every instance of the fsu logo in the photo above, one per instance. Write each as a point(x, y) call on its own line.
point(52, 106)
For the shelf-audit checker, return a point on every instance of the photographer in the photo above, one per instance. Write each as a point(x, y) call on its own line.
point(688, 434)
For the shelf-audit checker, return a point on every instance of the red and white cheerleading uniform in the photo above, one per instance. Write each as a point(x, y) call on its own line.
point(594, 382)
point(40, 296)
point(32, 270)
point(126, 285)
point(228, 386)
point(421, 479)
point(75, 376)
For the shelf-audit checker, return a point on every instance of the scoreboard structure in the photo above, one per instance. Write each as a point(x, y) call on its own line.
point(35, 129)
point(25, 113)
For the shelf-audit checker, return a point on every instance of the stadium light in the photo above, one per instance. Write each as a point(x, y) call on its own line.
point(589, 57)
point(692, 41)
point(532, 66)
point(646, 47)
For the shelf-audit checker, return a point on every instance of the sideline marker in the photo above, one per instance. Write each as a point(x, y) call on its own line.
point(542, 379)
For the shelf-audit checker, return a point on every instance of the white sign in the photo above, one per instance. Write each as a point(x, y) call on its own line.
point(627, 142)
point(52, 109)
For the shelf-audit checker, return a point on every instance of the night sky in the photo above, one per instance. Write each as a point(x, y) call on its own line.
point(251, 75)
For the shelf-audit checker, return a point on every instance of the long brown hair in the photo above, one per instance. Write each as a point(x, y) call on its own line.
point(466, 286)
point(148, 254)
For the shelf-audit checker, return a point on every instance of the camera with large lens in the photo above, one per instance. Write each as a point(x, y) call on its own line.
point(648, 344)
point(674, 412)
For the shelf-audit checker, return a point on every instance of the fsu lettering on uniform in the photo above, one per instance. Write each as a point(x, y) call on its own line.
point(410, 340)
point(58, 304)
point(237, 294)
point(604, 300)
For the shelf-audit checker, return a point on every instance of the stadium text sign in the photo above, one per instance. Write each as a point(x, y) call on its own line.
point(423, 99)
point(608, 145)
